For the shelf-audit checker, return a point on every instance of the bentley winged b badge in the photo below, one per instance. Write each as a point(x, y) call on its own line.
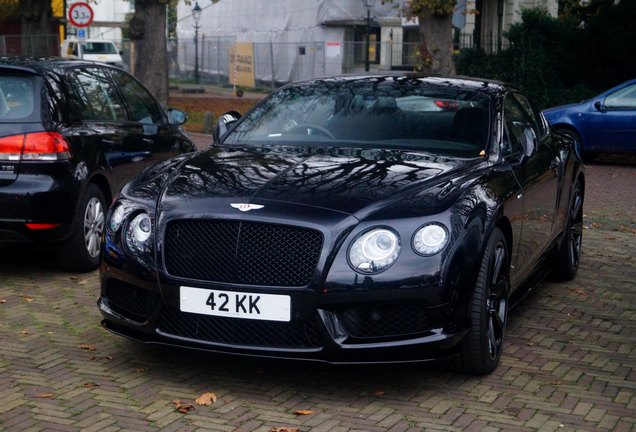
point(246, 207)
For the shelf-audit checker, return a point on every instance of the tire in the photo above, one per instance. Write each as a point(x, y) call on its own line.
point(578, 145)
point(569, 253)
point(81, 251)
point(483, 344)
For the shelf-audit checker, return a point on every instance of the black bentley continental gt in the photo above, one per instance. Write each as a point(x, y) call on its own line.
point(349, 220)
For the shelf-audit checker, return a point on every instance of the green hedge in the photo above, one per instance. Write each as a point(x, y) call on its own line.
point(558, 60)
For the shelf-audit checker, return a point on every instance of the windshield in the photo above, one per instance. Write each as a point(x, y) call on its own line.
point(371, 113)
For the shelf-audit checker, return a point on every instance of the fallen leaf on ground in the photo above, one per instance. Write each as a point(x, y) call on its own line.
point(90, 385)
point(378, 393)
point(2, 301)
point(284, 429)
point(28, 298)
point(304, 412)
point(45, 395)
point(88, 347)
point(206, 399)
point(182, 407)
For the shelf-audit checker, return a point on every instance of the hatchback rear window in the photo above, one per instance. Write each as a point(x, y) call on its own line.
point(18, 102)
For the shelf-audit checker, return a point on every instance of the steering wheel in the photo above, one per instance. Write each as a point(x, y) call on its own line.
point(310, 129)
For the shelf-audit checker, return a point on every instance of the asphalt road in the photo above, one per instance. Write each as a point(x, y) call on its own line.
point(569, 363)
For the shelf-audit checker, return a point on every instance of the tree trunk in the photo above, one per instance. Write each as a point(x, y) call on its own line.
point(148, 32)
point(436, 39)
point(37, 27)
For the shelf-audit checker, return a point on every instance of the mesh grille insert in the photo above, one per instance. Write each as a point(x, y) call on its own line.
point(273, 334)
point(385, 321)
point(129, 300)
point(242, 252)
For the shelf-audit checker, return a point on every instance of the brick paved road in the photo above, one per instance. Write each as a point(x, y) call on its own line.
point(569, 363)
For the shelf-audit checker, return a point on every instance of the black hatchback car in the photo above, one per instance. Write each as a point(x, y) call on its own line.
point(350, 219)
point(71, 134)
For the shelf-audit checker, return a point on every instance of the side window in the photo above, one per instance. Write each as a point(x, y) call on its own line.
point(94, 96)
point(532, 115)
point(514, 121)
point(623, 99)
point(141, 105)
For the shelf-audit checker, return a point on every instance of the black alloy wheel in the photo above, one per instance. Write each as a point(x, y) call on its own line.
point(569, 254)
point(483, 345)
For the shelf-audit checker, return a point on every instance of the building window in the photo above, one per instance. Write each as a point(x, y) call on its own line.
point(360, 40)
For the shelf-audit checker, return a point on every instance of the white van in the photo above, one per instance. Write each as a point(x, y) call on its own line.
point(93, 49)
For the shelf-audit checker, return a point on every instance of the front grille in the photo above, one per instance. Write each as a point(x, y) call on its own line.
point(128, 300)
point(242, 252)
point(385, 321)
point(235, 331)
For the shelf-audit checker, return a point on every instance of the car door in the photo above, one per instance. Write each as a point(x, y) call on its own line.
point(538, 173)
point(612, 121)
point(108, 146)
point(148, 122)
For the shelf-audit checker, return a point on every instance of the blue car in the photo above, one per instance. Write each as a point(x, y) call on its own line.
point(604, 124)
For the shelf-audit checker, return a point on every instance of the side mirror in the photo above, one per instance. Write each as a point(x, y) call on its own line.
point(176, 117)
point(599, 106)
point(224, 124)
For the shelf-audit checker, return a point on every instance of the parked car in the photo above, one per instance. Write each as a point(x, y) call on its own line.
point(329, 224)
point(71, 134)
point(604, 124)
point(98, 50)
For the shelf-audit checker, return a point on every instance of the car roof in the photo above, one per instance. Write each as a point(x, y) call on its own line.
point(40, 65)
point(469, 83)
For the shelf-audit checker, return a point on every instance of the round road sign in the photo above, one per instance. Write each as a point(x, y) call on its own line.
point(80, 14)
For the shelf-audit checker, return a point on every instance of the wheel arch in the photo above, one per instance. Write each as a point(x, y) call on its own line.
point(104, 186)
point(568, 127)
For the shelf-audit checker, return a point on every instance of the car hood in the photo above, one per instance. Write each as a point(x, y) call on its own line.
point(558, 110)
point(346, 180)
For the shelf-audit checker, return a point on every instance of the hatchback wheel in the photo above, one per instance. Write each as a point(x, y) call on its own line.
point(81, 251)
point(483, 344)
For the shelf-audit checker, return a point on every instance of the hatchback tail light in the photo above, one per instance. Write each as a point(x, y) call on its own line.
point(35, 146)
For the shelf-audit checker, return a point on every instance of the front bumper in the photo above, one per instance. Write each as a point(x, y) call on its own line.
point(353, 331)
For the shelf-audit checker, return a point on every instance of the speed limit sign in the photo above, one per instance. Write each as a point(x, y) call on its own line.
point(80, 14)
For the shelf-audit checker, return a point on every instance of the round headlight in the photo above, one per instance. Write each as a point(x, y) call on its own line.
point(430, 239)
point(138, 232)
point(117, 217)
point(374, 251)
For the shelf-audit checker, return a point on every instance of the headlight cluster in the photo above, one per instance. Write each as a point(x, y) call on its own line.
point(135, 226)
point(377, 249)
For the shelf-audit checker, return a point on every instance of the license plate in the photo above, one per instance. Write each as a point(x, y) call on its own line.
point(270, 307)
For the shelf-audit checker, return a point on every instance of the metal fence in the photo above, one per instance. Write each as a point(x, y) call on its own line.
point(278, 63)
point(274, 64)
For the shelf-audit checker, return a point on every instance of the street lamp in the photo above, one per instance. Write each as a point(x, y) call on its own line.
point(368, 4)
point(196, 14)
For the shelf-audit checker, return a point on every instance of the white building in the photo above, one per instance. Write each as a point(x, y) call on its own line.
point(296, 39)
